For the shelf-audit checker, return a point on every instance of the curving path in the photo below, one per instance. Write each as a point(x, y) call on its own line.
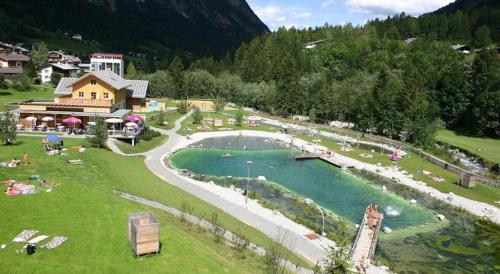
point(312, 250)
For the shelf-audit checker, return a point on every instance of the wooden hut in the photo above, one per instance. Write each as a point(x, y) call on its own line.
point(144, 233)
point(467, 180)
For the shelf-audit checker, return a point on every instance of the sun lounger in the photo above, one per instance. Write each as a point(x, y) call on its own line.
point(75, 162)
point(55, 242)
point(38, 239)
point(24, 236)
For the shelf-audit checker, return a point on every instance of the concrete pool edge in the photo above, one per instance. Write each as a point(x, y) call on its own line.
point(429, 226)
point(474, 207)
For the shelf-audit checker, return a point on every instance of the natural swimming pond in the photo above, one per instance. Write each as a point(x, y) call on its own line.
point(340, 192)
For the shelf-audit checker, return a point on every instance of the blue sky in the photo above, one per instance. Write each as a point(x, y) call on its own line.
point(311, 13)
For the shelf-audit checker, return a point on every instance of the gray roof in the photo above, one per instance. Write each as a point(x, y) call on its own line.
point(410, 40)
point(136, 88)
point(64, 87)
point(64, 66)
point(14, 57)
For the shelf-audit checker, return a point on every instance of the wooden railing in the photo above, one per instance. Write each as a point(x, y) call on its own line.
point(86, 102)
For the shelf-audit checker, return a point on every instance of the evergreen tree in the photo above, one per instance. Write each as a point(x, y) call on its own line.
point(55, 77)
point(40, 56)
point(197, 116)
point(7, 128)
point(98, 133)
point(131, 71)
point(176, 67)
point(482, 37)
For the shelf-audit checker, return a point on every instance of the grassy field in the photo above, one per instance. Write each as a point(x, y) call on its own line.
point(487, 148)
point(170, 118)
point(12, 95)
point(189, 128)
point(85, 209)
point(142, 145)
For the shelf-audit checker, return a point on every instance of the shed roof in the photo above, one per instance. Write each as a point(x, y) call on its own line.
point(64, 66)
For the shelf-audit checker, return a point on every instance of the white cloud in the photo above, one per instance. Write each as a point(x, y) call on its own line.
point(268, 12)
point(327, 3)
point(384, 7)
point(304, 14)
point(276, 15)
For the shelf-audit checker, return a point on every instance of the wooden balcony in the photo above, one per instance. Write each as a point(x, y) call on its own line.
point(86, 102)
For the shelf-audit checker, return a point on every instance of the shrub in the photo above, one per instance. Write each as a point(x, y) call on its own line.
point(239, 117)
point(197, 116)
point(22, 82)
point(182, 107)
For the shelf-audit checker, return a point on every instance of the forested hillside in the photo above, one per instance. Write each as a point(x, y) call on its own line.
point(473, 22)
point(156, 28)
point(378, 83)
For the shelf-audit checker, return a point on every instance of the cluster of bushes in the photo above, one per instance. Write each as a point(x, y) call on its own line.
point(149, 134)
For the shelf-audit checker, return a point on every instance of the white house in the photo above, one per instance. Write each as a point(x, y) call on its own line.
point(107, 61)
point(66, 70)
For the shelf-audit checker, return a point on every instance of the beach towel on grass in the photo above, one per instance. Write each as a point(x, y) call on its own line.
point(55, 242)
point(38, 239)
point(24, 236)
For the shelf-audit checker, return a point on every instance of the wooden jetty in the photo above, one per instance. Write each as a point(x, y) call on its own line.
point(364, 246)
point(332, 160)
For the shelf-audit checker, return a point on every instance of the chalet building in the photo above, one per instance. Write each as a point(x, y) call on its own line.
point(12, 63)
point(461, 48)
point(77, 36)
point(10, 49)
point(107, 61)
point(63, 58)
point(66, 70)
point(100, 93)
point(314, 44)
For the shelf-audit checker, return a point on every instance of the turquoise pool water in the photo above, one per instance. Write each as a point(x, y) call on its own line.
point(339, 191)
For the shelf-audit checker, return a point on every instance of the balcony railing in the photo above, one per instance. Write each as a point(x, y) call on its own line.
point(86, 102)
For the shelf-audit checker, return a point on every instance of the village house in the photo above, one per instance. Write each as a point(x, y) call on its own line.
point(66, 70)
point(101, 93)
point(314, 44)
point(12, 63)
point(107, 61)
point(63, 58)
point(9, 48)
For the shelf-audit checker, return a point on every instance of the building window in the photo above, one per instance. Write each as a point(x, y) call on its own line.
point(93, 95)
point(80, 94)
point(105, 95)
point(93, 82)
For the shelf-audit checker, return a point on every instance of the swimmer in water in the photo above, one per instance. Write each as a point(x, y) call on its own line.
point(227, 155)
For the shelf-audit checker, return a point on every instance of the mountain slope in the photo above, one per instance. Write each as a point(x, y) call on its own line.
point(465, 4)
point(155, 27)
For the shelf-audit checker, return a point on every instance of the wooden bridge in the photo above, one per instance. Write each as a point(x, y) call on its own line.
point(364, 246)
point(324, 157)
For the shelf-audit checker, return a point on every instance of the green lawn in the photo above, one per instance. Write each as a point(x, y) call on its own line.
point(141, 146)
point(487, 148)
point(170, 118)
point(12, 95)
point(95, 220)
point(189, 128)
